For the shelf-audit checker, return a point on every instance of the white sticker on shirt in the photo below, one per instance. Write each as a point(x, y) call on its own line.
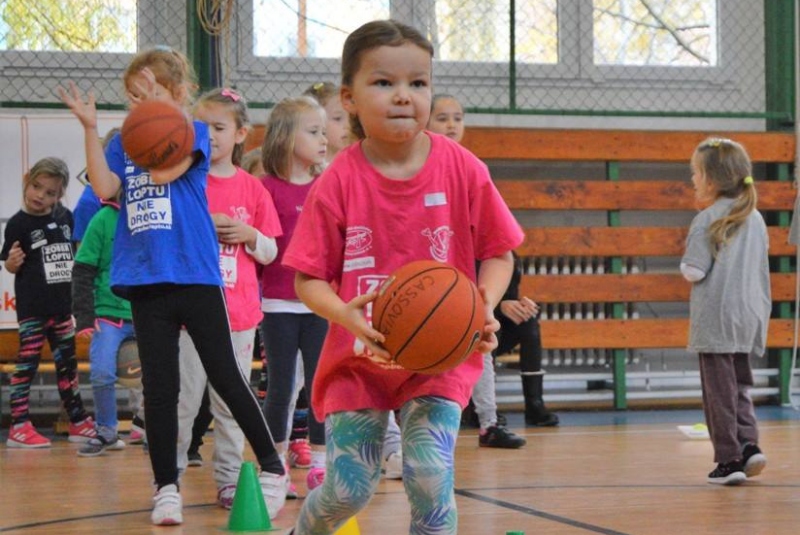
point(358, 263)
point(436, 199)
point(57, 260)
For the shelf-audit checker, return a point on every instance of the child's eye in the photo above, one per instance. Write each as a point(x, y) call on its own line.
point(419, 83)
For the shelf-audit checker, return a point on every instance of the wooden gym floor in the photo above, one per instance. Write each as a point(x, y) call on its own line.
point(610, 473)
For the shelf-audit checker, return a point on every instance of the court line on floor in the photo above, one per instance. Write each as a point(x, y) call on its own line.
point(67, 520)
point(540, 514)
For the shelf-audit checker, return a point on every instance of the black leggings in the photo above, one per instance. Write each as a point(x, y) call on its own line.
point(527, 335)
point(159, 313)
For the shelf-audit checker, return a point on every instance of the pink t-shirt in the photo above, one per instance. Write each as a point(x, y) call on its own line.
point(358, 226)
point(277, 281)
point(242, 197)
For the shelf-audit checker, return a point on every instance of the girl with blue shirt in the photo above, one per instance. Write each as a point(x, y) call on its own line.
point(166, 262)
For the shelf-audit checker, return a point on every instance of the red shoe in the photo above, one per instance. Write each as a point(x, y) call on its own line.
point(82, 431)
point(300, 453)
point(24, 435)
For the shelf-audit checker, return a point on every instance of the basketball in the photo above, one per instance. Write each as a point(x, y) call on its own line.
point(157, 134)
point(431, 315)
point(129, 369)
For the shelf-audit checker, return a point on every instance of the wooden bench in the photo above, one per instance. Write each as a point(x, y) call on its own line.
point(614, 242)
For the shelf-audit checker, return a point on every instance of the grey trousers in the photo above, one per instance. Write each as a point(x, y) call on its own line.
point(726, 379)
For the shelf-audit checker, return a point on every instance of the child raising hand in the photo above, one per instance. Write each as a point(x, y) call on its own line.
point(409, 196)
point(167, 265)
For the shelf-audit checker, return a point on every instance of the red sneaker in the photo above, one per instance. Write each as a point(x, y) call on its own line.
point(82, 431)
point(24, 435)
point(300, 453)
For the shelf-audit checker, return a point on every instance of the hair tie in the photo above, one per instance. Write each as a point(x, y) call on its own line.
point(318, 86)
point(748, 180)
point(231, 94)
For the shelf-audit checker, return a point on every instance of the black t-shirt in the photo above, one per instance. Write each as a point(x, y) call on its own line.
point(43, 283)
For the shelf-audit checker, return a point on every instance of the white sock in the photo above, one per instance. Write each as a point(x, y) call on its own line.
point(317, 459)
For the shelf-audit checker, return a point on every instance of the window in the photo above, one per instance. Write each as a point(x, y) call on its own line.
point(68, 26)
point(655, 32)
point(309, 28)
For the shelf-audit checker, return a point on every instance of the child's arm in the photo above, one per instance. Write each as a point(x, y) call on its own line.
point(493, 278)
point(16, 257)
point(170, 174)
point(319, 296)
point(104, 182)
point(83, 276)
point(230, 230)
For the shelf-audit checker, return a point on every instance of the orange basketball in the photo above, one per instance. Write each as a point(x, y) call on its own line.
point(157, 134)
point(431, 315)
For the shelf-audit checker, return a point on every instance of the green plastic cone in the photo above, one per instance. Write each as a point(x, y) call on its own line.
point(249, 511)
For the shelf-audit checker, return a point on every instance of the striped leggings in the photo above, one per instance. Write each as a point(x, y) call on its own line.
point(59, 332)
point(354, 443)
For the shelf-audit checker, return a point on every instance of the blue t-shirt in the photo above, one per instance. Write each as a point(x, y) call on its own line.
point(86, 207)
point(165, 233)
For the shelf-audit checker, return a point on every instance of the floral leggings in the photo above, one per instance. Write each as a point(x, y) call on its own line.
point(354, 442)
point(59, 332)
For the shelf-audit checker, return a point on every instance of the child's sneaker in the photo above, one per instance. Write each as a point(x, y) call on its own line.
point(300, 453)
point(225, 496)
point(731, 473)
point(315, 477)
point(99, 444)
point(273, 486)
point(83, 431)
point(753, 459)
point(393, 466)
point(24, 435)
point(195, 459)
point(137, 434)
point(168, 507)
point(499, 437)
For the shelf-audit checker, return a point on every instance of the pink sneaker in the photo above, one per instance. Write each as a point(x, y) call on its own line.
point(300, 453)
point(24, 435)
point(82, 431)
point(315, 477)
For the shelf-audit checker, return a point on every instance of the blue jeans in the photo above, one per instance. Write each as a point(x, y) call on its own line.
point(107, 337)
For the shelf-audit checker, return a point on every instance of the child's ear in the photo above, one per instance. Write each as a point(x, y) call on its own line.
point(348, 102)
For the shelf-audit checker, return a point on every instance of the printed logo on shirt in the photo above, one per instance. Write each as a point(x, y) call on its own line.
point(67, 232)
point(358, 241)
point(148, 204)
point(436, 199)
point(368, 284)
point(227, 263)
point(57, 261)
point(38, 238)
point(240, 213)
point(439, 239)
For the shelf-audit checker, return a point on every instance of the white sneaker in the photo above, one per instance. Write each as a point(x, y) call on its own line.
point(168, 507)
point(273, 487)
point(393, 466)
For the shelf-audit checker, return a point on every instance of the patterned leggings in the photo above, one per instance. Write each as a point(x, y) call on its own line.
point(353, 467)
point(60, 334)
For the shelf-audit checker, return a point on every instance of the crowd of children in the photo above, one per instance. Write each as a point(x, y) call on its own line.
point(269, 248)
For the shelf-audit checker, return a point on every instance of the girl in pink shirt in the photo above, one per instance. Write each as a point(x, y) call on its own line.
point(247, 225)
point(293, 153)
point(398, 195)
